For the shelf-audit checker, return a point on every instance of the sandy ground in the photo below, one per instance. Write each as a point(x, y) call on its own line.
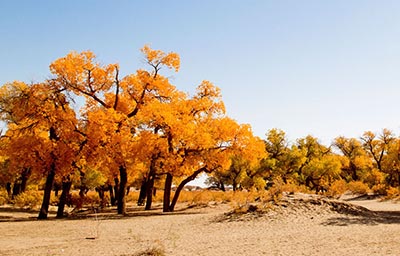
point(295, 227)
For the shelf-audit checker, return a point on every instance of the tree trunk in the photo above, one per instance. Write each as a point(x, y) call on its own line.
point(24, 178)
point(116, 191)
point(142, 193)
point(8, 188)
point(149, 193)
point(100, 190)
point(47, 193)
point(122, 188)
point(112, 197)
point(181, 185)
point(66, 187)
point(222, 186)
point(16, 189)
point(234, 185)
point(167, 192)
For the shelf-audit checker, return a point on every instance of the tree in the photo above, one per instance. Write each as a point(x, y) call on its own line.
point(377, 148)
point(356, 162)
point(41, 131)
point(113, 104)
point(319, 167)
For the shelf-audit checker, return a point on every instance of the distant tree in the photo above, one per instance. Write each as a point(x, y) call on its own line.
point(356, 163)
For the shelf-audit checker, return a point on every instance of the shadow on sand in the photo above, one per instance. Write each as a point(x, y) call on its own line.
point(110, 213)
point(358, 215)
point(367, 218)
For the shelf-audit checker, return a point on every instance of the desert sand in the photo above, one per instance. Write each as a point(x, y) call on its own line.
point(299, 225)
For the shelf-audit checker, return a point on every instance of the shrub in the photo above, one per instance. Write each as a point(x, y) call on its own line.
point(90, 199)
point(338, 188)
point(380, 189)
point(276, 191)
point(392, 192)
point(28, 199)
point(152, 251)
point(358, 187)
point(294, 188)
point(3, 197)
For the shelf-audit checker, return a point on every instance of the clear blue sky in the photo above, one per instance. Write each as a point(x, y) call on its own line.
point(325, 68)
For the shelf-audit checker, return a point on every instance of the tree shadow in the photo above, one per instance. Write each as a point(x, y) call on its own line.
point(365, 217)
point(109, 213)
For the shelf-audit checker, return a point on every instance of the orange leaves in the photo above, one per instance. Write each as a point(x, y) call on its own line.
point(137, 122)
point(208, 100)
point(157, 57)
point(79, 73)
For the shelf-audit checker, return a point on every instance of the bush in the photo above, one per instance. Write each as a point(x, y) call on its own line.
point(294, 188)
point(29, 199)
point(358, 187)
point(392, 192)
point(379, 189)
point(3, 197)
point(152, 251)
point(338, 188)
point(90, 199)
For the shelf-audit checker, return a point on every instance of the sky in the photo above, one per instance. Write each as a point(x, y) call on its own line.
point(320, 68)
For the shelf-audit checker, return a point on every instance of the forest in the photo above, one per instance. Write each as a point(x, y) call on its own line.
point(139, 131)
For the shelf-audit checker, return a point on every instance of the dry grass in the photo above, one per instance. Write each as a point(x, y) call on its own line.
point(155, 250)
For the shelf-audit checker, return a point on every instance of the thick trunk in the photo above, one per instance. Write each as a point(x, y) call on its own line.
point(122, 188)
point(149, 193)
point(24, 178)
point(182, 185)
point(66, 187)
point(16, 189)
point(8, 188)
point(47, 193)
point(167, 192)
point(142, 193)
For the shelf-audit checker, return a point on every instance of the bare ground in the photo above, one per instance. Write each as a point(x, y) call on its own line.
point(297, 225)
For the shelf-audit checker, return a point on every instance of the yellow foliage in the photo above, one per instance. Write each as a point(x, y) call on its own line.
point(3, 197)
point(379, 189)
point(337, 188)
point(358, 187)
point(392, 192)
point(29, 199)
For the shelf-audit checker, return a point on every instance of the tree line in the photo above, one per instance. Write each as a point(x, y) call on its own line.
point(373, 159)
point(140, 130)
